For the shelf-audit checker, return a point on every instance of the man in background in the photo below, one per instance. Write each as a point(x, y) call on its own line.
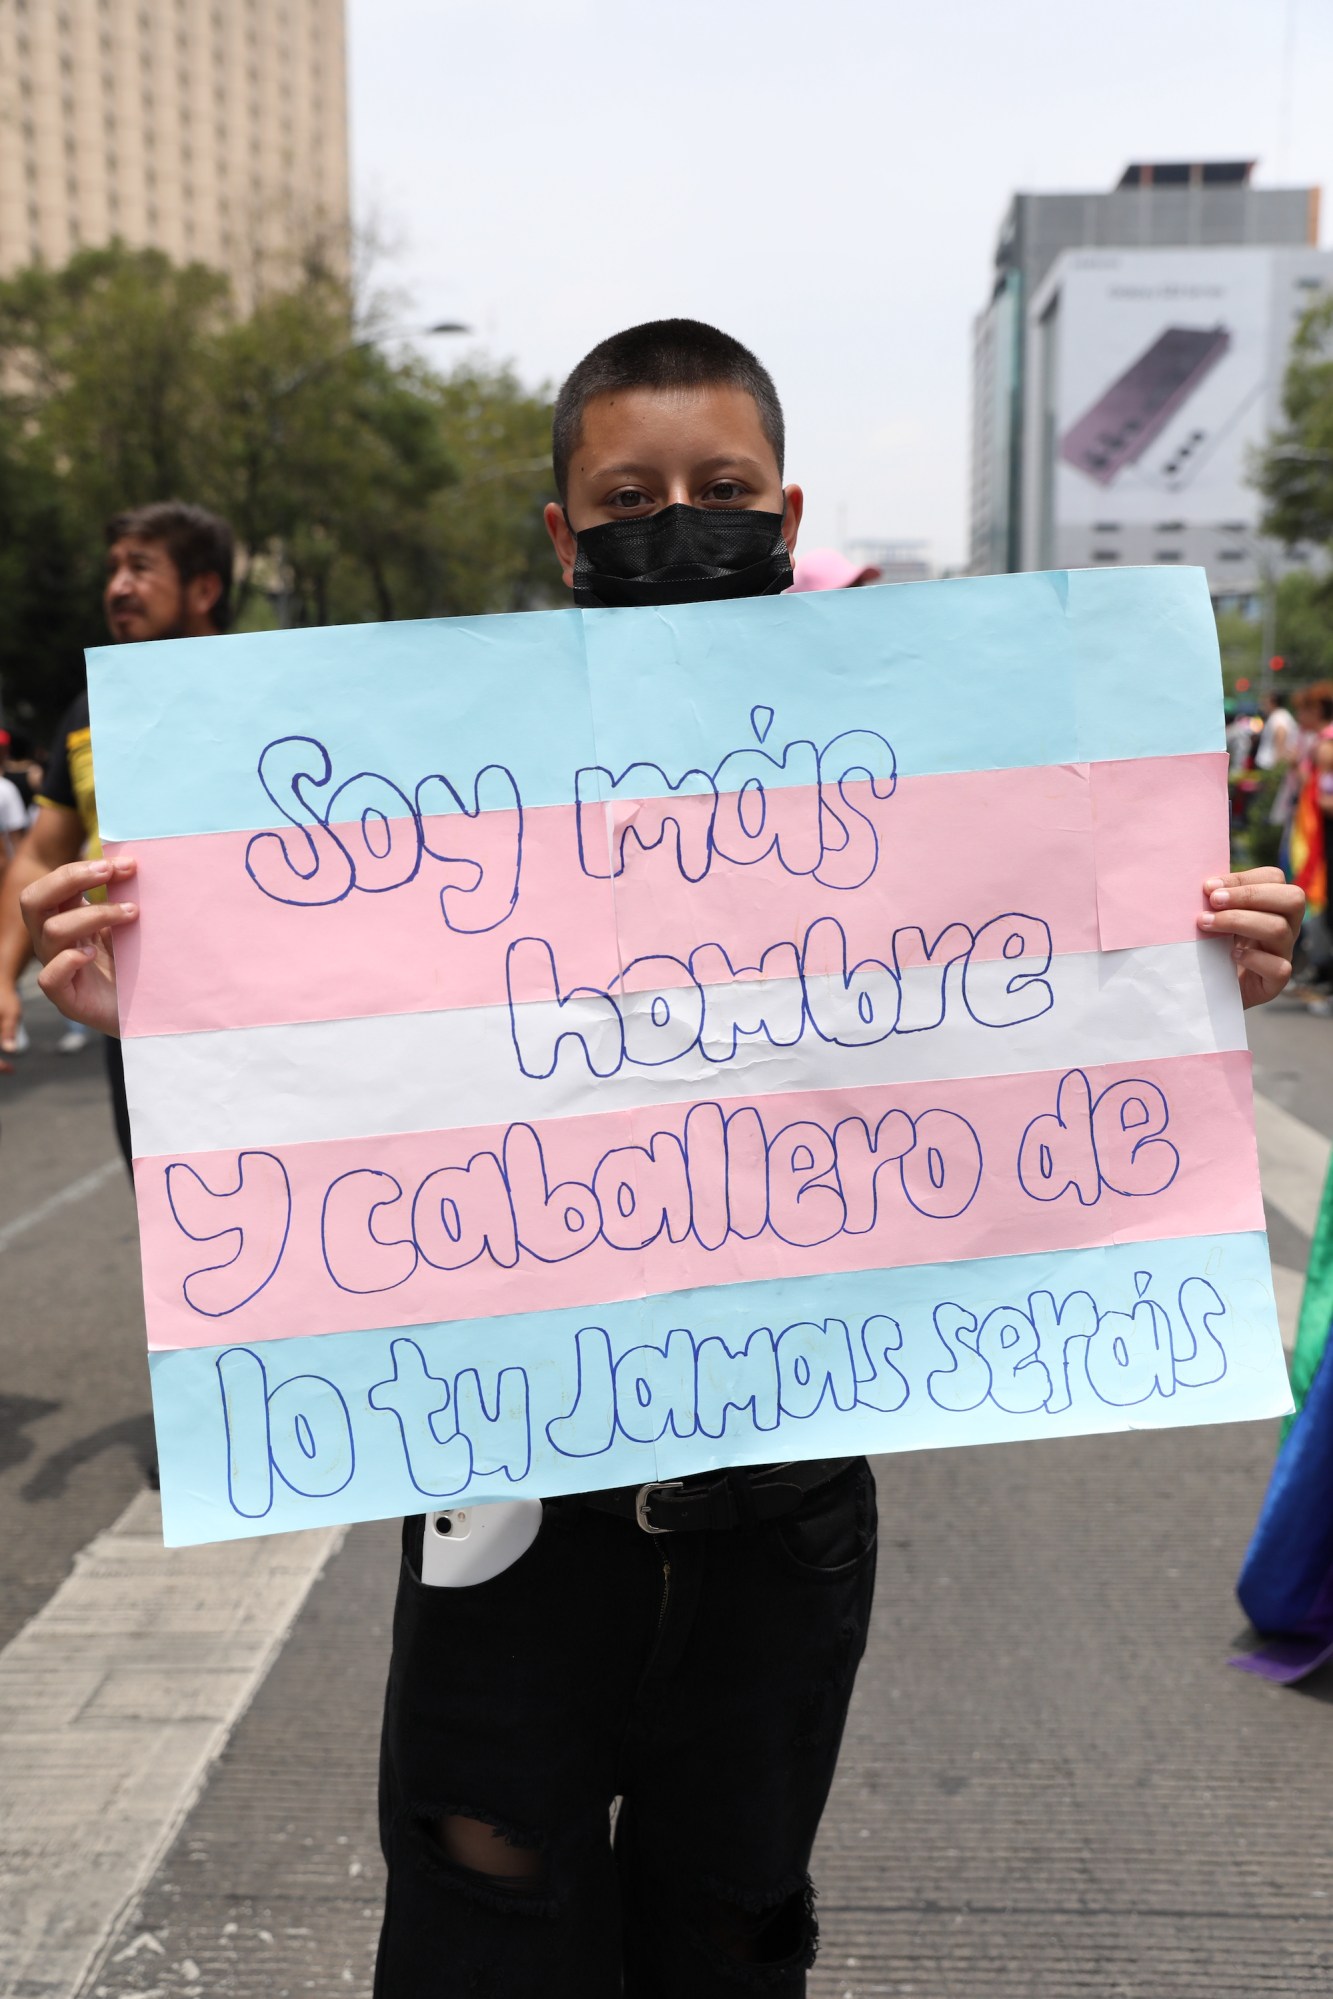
point(1278, 738)
point(168, 576)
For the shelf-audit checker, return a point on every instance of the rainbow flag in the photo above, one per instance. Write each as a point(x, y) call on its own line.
point(1309, 864)
point(1286, 1581)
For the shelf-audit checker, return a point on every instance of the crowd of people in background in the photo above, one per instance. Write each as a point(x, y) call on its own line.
point(22, 767)
point(20, 775)
point(1281, 808)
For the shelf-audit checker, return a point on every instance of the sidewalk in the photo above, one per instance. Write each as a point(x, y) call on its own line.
point(1052, 1785)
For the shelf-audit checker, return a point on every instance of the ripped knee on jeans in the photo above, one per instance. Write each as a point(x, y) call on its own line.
point(751, 1935)
point(494, 1862)
point(488, 1849)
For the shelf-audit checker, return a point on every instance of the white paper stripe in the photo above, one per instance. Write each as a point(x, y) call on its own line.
point(441, 1071)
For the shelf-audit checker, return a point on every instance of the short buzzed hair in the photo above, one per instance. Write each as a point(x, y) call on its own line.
point(662, 354)
point(199, 543)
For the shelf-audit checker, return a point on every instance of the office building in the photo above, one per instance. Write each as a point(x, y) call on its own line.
point(210, 129)
point(1209, 204)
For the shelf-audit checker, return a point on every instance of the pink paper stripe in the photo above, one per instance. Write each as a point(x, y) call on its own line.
point(304, 1259)
point(1144, 816)
point(223, 954)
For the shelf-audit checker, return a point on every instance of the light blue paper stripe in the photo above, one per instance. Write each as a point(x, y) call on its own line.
point(1129, 1336)
point(1100, 665)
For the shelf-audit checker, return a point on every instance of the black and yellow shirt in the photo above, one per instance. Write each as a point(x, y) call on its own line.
point(68, 782)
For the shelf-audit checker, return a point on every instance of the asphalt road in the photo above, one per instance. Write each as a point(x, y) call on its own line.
point(75, 1431)
point(1052, 1784)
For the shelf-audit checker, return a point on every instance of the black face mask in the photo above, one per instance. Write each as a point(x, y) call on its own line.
point(684, 555)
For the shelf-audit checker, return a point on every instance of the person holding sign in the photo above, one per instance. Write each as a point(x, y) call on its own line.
point(689, 1647)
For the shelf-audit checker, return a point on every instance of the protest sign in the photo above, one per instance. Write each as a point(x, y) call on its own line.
point(584, 1048)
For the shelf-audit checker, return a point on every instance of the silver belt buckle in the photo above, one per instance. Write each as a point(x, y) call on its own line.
point(644, 1494)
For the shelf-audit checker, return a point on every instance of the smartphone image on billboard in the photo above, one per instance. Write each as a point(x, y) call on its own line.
point(1139, 404)
point(1190, 450)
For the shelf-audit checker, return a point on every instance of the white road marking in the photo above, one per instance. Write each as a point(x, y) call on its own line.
point(1293, 1162)
point(115, 1701)
point(1288, 1286)
point(64, 1197)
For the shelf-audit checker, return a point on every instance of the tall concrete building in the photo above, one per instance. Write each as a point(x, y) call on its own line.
point(211, 129)
point(1205, 204)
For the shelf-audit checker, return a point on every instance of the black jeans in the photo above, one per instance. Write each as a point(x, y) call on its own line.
point(702, 1677)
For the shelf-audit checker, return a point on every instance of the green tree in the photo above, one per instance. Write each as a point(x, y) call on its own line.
point(1305, 626)
point(329, 456)
point(109, 360)
point(371, 488)
point(1239, 640)
point(49, 589)
point(1294, 474)
point(1296, 469)
point(102, 405)
point(494, 551)
point(1304, 636)
point(361, 482)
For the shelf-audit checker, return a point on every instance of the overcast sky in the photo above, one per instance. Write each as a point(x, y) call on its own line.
point(823, 178)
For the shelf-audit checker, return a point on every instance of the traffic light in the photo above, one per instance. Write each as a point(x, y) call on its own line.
point(1276, 663)
point(1242, 687)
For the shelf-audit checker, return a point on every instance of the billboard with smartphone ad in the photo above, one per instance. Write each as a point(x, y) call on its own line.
point(1160, 371)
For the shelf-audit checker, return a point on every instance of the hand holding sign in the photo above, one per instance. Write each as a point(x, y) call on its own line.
point(1263, 913)
point(72, 937)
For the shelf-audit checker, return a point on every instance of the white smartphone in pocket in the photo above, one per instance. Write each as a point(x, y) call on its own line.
point(470, 1544)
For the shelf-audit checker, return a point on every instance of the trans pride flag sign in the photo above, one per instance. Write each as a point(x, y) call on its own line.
point(584, 1048)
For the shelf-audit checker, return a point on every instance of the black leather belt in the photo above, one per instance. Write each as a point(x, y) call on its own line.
point(729, 1499)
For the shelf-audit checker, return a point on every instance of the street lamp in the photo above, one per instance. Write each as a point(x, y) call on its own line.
point(327, 361)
